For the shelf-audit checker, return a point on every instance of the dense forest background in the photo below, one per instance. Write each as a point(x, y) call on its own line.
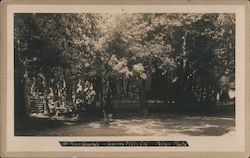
point(183, 59)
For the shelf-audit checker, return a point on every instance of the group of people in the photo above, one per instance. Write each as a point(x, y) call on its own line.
point(53, 93)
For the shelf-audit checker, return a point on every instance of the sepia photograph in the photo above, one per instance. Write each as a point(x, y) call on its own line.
point(130, 74)
point(114, 80)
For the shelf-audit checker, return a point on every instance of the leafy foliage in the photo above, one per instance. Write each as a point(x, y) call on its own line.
point(180, 57)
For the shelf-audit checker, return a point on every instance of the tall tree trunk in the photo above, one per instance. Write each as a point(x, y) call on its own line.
point(19, 103)
point(143, 101)
point(20, 111)
point(20, 115)
point(109, 98)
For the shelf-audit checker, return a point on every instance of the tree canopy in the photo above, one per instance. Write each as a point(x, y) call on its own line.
point(173, 56)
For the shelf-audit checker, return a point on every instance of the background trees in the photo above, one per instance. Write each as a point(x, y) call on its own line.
point(181, 58)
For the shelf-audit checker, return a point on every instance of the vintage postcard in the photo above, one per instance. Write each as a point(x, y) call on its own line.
point(110, 80)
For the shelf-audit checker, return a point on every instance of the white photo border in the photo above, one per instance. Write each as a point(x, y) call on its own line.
point(196, 143)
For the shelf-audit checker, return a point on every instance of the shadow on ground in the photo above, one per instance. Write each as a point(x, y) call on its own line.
point(132, 124)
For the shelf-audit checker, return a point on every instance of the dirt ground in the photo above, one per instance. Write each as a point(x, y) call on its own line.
point(132, 124)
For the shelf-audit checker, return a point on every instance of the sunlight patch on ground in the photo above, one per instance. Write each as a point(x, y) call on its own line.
point(164, 127)
point(199, 128)
point(94, 125)
point(154, 125)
